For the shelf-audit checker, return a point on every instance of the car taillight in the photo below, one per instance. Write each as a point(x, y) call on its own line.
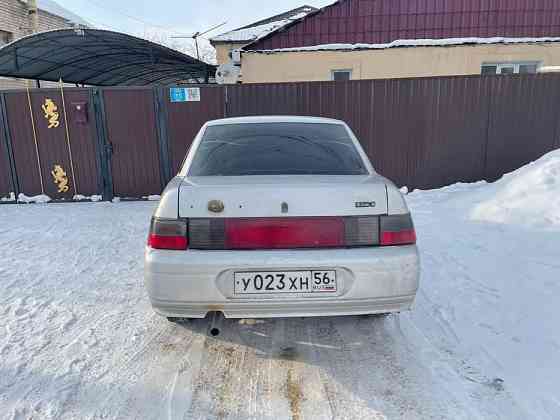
point(168, 234)
point(284, 232)
point(361, 231)
point(397, 230)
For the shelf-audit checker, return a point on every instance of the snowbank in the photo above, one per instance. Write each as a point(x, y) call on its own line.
point(152, 197)
point(22, 198)
point(529, 196)
point(94, 198)
point(11, 197)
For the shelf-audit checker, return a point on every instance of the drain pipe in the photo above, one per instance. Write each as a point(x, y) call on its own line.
point(33, 15)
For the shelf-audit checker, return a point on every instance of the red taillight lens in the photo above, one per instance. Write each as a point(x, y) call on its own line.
point(168, 234)
point(278, 233)
point(284, 233)
point(300, 232)
point(397, 230)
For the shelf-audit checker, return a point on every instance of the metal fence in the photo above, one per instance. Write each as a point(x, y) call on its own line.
point(128, 142)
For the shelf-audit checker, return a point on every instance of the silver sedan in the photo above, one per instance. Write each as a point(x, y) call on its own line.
point(280, 217)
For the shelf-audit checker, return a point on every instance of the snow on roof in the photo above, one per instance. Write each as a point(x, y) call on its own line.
point(50, 6)
point(250, 34)
point(253, 33)
point(412, 43)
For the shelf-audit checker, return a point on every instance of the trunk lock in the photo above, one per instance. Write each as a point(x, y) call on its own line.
point(216, 206)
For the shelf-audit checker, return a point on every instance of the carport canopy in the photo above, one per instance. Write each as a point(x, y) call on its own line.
point(100, 58)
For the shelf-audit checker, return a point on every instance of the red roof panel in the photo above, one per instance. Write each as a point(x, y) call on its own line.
point(383, 21)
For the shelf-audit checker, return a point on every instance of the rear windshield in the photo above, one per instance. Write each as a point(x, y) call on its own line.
point(276, 149)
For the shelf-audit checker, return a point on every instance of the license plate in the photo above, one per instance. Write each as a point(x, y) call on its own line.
point(279, 282)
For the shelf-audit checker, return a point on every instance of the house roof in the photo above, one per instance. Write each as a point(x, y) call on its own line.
point(52, 7)
point(100, 58)
point(256, 30)
point(384, 21)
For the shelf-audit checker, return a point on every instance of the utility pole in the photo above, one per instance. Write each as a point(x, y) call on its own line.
point(33, 13)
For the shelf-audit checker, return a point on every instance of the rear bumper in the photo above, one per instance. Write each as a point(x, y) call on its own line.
point(193, 283)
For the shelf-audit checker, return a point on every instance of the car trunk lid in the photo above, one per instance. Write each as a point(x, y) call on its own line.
point(282, 196)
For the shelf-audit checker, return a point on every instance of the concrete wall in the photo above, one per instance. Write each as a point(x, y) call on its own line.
point(390, 63)
point(14, 18)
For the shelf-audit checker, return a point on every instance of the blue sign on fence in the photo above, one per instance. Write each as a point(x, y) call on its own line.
point(184, 94)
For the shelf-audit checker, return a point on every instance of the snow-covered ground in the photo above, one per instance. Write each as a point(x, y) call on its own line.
point(78, 339)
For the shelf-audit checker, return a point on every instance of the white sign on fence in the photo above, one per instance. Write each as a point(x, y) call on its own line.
point(184, 94)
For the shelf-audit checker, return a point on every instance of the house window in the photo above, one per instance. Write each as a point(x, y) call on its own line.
point(525, 67)
point(6, 37)
point(341, 75)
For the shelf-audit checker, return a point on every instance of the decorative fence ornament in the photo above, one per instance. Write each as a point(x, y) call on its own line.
point(51, 113)
point(60, 179)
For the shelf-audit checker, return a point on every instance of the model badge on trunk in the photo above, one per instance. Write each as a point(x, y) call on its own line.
point(362, 204)
point(216, 206)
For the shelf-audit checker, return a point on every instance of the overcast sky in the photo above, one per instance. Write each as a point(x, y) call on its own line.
point(172, 17)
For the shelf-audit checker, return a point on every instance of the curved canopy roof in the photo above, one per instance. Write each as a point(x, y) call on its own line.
point(99, 57)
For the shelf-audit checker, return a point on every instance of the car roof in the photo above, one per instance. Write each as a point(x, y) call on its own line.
point(274, 119)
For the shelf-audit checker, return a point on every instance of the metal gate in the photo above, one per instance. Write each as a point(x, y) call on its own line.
point(184, 120)
point(132, 138)
point(52, 139)
point(7, 177)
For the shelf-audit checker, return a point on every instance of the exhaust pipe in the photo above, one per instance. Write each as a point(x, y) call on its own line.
point(215, 323)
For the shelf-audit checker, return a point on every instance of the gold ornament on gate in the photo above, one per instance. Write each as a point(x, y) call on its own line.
point(51, 113)
point(60, 179)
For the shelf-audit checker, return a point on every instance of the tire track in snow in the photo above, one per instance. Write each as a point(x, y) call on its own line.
point(180, 396)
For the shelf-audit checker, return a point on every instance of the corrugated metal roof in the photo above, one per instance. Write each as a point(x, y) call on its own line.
point(100, 58)
point(257, 30)
point(384, 21)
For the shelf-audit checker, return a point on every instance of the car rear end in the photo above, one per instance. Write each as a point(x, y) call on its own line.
point(280, 217)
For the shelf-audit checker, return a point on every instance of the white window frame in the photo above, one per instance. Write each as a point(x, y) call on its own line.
point(333, 72)
point(510, 64)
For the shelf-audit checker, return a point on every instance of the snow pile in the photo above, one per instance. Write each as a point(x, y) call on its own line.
point(529, 196)
point(413, 43)
point(94, 198)
point(154, 197)
point(22, 198)
point(11, 197)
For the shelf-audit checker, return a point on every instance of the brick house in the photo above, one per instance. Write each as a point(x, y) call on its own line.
point(15, 23)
